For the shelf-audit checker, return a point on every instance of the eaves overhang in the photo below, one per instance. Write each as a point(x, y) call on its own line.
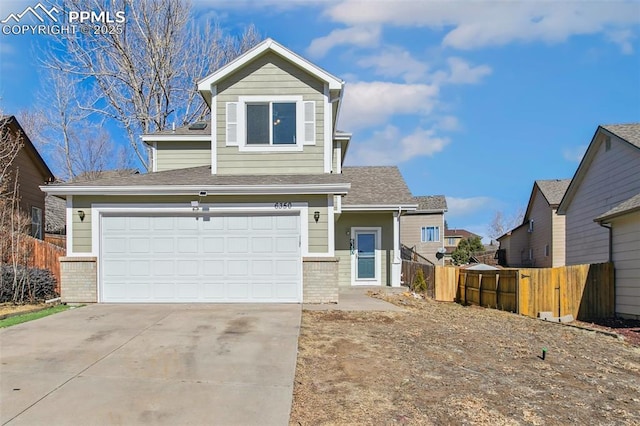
point(379, 207)
point(338, 189)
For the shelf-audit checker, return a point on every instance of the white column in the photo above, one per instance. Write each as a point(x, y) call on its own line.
point(396, 265)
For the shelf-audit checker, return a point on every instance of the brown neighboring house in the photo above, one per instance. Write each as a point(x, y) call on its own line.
point(32, 172)
point(540, 240)
point(422, 229)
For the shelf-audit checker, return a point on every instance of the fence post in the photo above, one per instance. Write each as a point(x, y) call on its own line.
point(497, 289)
point(517, 271)
point(479, 289)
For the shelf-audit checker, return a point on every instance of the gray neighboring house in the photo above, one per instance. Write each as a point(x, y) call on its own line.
point(252, 205)
point(601, 209)
point(540, 240)
point(423, 229)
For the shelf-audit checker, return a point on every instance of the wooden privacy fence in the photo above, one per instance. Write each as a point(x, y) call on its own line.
point(36, 253)
point(584, 291)
point(409, 270)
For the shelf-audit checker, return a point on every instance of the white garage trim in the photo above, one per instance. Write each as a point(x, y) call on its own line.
point(180, 209)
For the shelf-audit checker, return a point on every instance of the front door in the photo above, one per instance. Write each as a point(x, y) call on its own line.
point(366, 262)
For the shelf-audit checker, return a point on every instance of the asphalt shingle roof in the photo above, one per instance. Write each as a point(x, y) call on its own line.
point(554, 189)
point(377, 186)
point(185, 130)
point(202, 176)
point(629, 132)
point(431, 202)
point(55, 214)
point(629, 205)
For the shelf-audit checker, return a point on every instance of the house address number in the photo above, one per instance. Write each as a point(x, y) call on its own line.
point(280, 205)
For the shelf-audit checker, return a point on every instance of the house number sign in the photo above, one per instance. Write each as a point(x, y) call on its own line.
point(280, 205)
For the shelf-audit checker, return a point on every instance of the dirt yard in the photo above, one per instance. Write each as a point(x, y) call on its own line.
point(443, 363)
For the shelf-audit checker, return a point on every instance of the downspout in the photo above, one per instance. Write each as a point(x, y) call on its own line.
point(608, 226)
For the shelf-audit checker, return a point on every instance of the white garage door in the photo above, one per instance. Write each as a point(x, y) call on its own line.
point(232, 258)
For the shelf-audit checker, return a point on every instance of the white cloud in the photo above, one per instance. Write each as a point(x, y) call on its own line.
point(457, 207)
point(367, 36)
point(388, 146)
point(448, 123)
point(574, 154)
point(369, 104)
point(622, 38)
point(463, 73)
point(480, 24)
point(394, 61)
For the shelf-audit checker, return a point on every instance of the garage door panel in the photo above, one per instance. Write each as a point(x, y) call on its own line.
point(235, 258)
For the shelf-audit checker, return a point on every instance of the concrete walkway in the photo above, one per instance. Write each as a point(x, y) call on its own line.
point(356, 299)
point(151, 364)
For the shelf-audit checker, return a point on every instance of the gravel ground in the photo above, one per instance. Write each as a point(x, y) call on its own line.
point(441, 363)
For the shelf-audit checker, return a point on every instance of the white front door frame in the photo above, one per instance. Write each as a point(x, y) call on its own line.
point(377, 280)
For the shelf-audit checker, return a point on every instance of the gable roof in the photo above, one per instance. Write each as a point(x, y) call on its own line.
point(431, 203)
point(377, 186)
point(269, 45)
point(12, 122)
point(553, 190)
point(629, 206)
point(628, 133)
point(459, 233)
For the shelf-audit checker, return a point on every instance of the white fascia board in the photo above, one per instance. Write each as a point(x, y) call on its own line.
point(373, 207)
point(175, 138)
point(269, 44)
point(194, 190)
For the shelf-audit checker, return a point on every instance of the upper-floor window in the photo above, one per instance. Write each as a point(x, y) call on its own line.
point(36, 222)
point(270, 123)
point(430, 233)
point(451, 241)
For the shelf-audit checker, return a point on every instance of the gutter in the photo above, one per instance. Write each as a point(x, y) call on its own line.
point(342, 188)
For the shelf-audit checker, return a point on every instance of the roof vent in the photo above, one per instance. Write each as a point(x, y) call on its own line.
point(200, 125)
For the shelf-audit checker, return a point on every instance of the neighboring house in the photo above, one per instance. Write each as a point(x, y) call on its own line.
point(600, 205)
point(452, 238)
point(251, 206)
point(423, 229)
point(540, 240)
point(32, 172)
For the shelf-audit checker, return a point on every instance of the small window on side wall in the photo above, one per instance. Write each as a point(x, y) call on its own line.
point(36, 222)
point(430, 234)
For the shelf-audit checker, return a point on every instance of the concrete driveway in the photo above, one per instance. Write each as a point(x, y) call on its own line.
point(152, 364)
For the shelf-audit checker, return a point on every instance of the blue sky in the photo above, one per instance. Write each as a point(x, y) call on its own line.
point(473, 100)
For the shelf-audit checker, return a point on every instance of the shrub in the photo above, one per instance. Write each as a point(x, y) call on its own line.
point(26, 285)
point(419, 283)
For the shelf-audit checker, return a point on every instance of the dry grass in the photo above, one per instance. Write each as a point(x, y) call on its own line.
point(449, 364)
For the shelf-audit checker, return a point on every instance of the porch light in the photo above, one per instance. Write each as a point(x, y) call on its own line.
point(316, 216)
point(81, 215)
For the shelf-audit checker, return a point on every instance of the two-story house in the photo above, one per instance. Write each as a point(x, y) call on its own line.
point(31, 172)
point(602, 206)
point(539, 241)
point(423, 229)
point(253, 205)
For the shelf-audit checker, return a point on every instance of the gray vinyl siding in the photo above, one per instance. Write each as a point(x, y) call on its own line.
point(542, 231)
point(411, 234)
point(269, 75)
point(360, 219)
point(611, 178)
point(626, 260)
point(318, 237)
point(182, 154)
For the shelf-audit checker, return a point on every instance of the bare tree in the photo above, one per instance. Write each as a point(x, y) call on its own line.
point(501, 224)
point(145, 71)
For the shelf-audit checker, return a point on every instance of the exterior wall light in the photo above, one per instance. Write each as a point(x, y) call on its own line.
point(316, 216)
point(81, 215)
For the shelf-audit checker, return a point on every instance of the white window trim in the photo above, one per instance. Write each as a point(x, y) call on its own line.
point(241, 120)
point(429, 241)
point(378, 257)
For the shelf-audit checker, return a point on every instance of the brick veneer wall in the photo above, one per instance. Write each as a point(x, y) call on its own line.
point(320, 280)
point(78, 280)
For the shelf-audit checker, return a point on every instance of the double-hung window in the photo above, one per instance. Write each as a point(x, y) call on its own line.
point(271, 123)
point(430, 234)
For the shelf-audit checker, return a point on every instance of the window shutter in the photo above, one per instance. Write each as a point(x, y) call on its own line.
point(232, 123)
point(309, 122)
